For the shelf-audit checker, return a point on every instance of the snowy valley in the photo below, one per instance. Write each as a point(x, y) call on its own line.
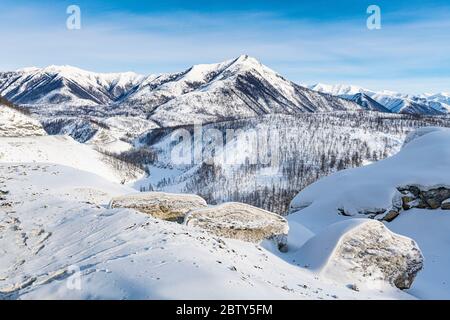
point(347, 198)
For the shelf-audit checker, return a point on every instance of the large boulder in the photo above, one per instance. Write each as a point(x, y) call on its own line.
point(363, 252)
point(165, 206)
point(241, 221)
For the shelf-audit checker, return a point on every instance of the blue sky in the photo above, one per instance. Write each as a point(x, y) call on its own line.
point(306, 41)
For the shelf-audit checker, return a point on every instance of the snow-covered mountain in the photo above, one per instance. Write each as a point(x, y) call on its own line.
point(234, 89)
point(237, 88)
point(65, 85)
point(429, 104)
point(368, 103)
point(54, 191)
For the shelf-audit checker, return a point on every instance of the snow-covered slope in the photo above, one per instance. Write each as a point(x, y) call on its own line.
point(428, 104)
point(60, 242)
point(372, 191)
point(114, 134)
point(65, 151)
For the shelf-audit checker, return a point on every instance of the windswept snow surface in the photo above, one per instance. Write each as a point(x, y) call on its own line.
point(423, 161)
point(65, 151)
point(54, 221)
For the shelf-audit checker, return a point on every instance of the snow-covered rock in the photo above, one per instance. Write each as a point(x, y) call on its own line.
point(446, 205)
point(165, 206)
point(16, 124)
point(423, 198)
point(365, 251)
point(241, 221)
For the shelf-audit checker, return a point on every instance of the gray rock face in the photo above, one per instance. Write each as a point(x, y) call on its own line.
point(165, 206)
point(241, 221)
point(424, 198)
point(364, 250)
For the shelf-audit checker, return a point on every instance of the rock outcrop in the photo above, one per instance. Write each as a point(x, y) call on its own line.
point(363, 250)
point(241, 221)
point(14, 123)
point(410, 197)
point(424, 198)
point(165, 206)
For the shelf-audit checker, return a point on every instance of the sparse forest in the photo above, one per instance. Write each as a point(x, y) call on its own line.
point(309, 147)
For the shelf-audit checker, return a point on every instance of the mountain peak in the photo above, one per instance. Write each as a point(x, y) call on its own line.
point(246, 59)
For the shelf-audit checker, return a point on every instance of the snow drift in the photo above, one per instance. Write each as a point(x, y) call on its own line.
point(65, 151)
point(373, 191)
point(423, 161)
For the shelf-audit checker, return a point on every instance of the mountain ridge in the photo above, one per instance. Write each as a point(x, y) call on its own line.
point(233, 89)
point(430, 104)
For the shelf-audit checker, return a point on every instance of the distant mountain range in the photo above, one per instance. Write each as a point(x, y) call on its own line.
point(234, 89)
point(429, 104)
point(237, 88)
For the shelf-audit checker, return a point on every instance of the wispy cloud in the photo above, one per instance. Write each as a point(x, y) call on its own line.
point(410, 52)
